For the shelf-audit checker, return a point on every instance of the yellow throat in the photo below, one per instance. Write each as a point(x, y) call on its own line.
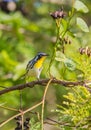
point(39, 63)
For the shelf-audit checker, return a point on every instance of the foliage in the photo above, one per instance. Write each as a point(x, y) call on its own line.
point(21, 37)
point(76, 109)
point(82, 25)
point(35, 125)
point(76, 112)
point(80, 6)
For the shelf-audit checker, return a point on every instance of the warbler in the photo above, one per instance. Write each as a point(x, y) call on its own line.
point(34, 66)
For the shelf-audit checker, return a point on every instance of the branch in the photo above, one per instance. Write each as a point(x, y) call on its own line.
point(42, 82)
point(22, 112)
point(43, 103)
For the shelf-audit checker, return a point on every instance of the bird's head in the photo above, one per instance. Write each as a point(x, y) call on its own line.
point(40, 57)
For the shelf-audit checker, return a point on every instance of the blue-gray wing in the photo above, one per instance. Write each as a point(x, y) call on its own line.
point(28, 67)
point(31, 63)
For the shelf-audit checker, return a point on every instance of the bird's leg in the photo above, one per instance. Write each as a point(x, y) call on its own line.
point(39, 72)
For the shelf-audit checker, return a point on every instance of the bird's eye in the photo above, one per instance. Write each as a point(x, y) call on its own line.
point(40, 56)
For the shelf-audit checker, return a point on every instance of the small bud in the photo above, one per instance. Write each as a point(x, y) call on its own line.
point(70, 41)
point(18, 118)
point(66, 40)
point(81, 50)
point(27, 119)
point(58, 14)
point(86, 51)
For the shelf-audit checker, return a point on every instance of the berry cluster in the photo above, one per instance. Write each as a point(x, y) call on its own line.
point(26, 124)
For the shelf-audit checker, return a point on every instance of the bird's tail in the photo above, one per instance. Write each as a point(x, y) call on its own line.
point(23, 76)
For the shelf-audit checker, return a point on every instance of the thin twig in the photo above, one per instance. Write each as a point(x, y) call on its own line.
point(29, 109)
point(73, 1)
point(22, 116)
point(60, 123)
point(9, 108)
point(49, 123)
point(37, 114)
point(43, 103)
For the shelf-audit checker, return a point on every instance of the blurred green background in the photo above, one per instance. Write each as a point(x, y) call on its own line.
point(26, 28)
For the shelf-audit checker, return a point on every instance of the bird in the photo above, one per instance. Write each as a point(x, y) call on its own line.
point(35, 66)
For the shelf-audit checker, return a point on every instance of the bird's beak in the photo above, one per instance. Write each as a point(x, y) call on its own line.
point(47, 55)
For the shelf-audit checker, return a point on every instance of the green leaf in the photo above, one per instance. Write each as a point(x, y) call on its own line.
point(65, 24)
point(60, 56)
point(7, 59)
point(70, 64)
point(80, 6)
point(82, 24)
point(35, 125)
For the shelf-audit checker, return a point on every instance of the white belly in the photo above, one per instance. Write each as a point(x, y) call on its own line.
point(34, 73)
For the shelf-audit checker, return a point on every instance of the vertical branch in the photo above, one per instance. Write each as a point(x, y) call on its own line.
point(22, 119)
point(73, 1)
point(22, 115)
point(56, 42)
point(20, 99)
point(43, 102)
